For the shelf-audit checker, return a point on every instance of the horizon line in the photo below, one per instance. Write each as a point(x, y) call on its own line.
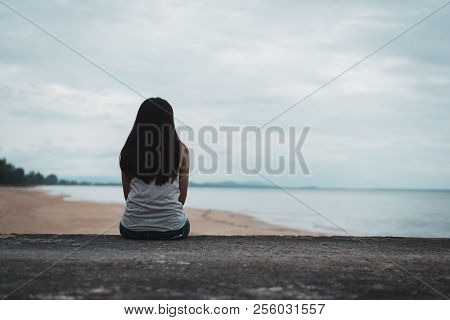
point(251, 185)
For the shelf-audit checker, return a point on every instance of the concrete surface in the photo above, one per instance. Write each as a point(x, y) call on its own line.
point(205, 267)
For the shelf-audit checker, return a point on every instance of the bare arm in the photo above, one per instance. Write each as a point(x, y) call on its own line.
point(184, 174)
point(126, 180)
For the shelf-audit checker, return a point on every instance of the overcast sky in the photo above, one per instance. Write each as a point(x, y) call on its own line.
point(386, 123)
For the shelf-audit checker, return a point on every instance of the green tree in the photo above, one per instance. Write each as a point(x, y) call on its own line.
point(12, 176)
point(51, 179)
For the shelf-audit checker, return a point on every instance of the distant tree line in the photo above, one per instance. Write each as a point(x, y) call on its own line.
point(12, 176)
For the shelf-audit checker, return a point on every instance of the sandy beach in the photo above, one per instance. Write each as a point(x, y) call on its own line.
point(32, 211)
point(228, 265)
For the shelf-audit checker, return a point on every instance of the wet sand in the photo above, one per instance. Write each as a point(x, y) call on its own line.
point(33, 211)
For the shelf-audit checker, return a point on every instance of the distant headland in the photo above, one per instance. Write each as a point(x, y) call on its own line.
point(11, 175)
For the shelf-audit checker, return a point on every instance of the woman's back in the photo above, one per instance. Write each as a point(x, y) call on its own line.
point(155, 175)
point(150, 207)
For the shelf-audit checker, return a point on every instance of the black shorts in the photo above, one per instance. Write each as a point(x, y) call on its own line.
point(156, 235)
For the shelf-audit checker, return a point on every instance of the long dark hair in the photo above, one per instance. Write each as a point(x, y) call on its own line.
point(152, 151)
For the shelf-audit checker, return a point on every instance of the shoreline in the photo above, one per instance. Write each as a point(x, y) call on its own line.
point(25, 210)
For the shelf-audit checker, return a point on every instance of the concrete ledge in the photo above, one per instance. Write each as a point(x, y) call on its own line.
point(205, 267)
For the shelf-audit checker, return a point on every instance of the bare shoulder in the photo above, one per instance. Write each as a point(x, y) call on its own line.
point(184, 157)
point(184, 149)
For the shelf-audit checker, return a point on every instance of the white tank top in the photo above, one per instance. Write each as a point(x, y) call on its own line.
point(151, 207)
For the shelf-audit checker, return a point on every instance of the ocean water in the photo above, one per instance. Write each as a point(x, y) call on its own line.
point(359, 213)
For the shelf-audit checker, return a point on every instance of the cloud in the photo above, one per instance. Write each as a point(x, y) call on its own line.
point(231, 63)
